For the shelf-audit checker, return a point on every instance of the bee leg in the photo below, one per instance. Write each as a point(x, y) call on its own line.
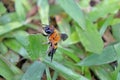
point(49, 51)
point(52, 53)
point(52, 50)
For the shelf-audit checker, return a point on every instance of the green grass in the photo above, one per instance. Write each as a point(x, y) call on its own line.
point(83, 56)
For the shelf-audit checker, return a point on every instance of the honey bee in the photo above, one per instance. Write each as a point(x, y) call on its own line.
point(53, 39)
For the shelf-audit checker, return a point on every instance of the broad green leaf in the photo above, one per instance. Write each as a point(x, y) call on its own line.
point(103, 9)
point(16, 46)
point(35, 45)
point(2, 9)
point(108, 55)
point(43, 11)
point(116, 31)
point(8, 70)
point(72, 9)
point(9, 27)
point(35, 71)
point(64, 71)
point(20, 10)
point(90, 38)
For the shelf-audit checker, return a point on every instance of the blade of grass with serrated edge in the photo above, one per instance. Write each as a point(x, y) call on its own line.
point(64, 71)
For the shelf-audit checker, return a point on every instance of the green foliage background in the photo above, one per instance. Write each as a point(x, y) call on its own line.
point(83, 56)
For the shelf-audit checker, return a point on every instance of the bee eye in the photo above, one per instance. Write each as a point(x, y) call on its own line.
point(48, 30)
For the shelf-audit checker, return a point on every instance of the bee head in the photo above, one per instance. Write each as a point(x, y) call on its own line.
point(48, 29)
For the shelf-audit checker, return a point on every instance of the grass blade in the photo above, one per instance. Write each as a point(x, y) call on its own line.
point(35, 71)
point(74, 11)
point(108, 55)
point(66, 72)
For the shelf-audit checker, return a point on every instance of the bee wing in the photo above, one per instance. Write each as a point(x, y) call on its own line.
point(64, 36)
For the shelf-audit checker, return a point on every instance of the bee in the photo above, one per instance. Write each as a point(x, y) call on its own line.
point(53, 39)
